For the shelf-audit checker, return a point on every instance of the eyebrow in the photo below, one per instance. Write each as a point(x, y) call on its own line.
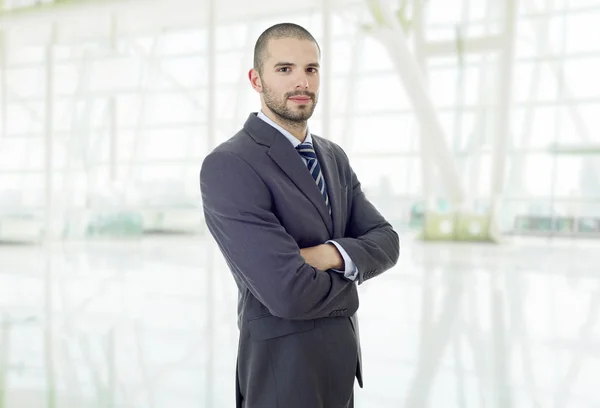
point(288, 64)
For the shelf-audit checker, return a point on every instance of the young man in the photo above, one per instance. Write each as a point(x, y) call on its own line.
point(298, 234)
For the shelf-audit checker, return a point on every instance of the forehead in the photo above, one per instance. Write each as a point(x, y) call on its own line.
point(292, 50)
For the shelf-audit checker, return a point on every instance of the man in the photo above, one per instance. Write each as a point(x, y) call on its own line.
point(298, 234)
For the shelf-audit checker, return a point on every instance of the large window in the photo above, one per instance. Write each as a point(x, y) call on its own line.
point(133, 110)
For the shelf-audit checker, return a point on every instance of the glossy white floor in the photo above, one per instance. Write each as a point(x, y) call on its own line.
point(151, 324)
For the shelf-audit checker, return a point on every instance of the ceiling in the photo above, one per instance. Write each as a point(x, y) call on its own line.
point(81, 18)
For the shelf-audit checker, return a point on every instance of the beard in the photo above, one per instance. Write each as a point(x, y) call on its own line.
point(280, 108)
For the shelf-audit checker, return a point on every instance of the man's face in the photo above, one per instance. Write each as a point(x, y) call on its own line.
point(290, 78)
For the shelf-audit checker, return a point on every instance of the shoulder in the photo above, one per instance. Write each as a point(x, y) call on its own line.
point(231, 155)
point(237, 144)
point(240, 146)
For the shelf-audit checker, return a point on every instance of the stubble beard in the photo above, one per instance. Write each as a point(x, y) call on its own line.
point(296, 119)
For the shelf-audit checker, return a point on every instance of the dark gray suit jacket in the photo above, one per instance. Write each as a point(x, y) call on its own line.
point(299, 345)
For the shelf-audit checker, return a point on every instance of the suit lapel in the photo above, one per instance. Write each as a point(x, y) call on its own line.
point(332, 179)
point(287, 158)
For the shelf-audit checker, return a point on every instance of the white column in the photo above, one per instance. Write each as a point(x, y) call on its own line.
point(501, 358)
point(113, 153)
point(478, 138)
point(48, 224)
point(211, 111)
point(327, 77)
point(500, 143)
point(426, 159)
point(392, 37)
point(3, 85)
point(4, 353)
point(111, 364)
point(49, 357)
point(211, 122)
point(358, 45)
point(48, 132)
point(112, 107)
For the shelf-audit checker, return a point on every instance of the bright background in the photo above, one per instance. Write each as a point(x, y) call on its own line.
point(111, 291)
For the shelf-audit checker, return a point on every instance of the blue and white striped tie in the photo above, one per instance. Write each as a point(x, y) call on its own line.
point(307, 151)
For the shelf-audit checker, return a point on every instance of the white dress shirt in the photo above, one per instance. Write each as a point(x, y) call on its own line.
point(350, 271)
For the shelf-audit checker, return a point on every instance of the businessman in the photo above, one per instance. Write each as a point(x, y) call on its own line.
point(298, 234)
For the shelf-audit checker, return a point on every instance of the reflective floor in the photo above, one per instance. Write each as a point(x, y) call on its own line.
point(152, 324)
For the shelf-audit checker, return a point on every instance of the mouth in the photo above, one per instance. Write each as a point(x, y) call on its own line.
point(300, 99)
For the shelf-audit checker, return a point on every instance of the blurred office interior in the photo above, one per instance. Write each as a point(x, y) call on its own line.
point(473, 125)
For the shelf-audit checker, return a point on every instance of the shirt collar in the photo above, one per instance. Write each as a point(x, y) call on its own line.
point(287, 134)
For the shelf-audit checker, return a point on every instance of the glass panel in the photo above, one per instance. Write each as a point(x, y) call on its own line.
point(68, 78)
point(183, 41)
point(340, 56)
point(383, 134)
point(442, 85)
point(583, 31)
point(536, 130)
point(170, 108)
point(587, 115)
point(377, 93)
point(165, 144)
point(233, 67)
point(439, 12)
point(534, 77)
point(375, 57)
point(181, 73)
point(116, 73)
point(538, 175)
point(581, 77)
point(21, 190)
point(384, 177)
point(25, 54)
point(13, 152)
point(26, 82)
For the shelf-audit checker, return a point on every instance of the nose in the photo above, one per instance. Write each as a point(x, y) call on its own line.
point(302, 81)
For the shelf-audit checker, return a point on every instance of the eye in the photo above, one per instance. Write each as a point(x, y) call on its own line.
point(284, 69)
point(313, 70)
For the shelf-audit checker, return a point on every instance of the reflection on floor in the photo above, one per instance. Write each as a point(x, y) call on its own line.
point(151, 324)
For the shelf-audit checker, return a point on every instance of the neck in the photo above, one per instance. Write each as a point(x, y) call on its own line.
point(296, 128)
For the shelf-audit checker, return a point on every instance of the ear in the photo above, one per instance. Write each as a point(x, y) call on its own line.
point(255, 81)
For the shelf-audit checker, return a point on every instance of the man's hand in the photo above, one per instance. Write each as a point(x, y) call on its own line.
point(323, 257)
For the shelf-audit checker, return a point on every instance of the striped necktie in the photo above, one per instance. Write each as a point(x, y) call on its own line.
point(307, 151)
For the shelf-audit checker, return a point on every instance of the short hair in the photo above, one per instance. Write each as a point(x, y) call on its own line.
point(281, 30)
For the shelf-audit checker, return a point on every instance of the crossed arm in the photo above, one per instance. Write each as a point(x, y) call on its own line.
point(323, 257)
point(293, 283)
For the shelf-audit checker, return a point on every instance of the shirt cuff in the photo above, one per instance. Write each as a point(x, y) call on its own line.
point(350, 271)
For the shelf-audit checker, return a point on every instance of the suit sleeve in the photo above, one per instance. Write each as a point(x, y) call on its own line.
point(370, 240)
point(238, 212)
point(350, 271)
